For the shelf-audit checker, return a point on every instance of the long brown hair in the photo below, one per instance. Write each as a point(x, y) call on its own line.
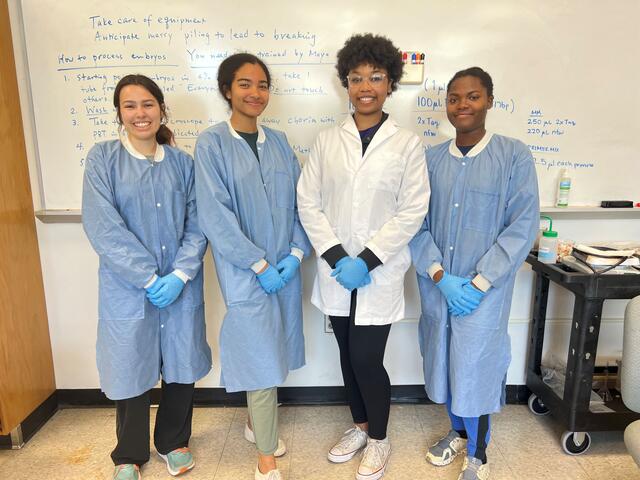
point(164, 135)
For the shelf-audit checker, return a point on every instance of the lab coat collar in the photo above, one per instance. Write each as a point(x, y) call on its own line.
point(453, 148)
point(388, 128)
point(261, 136)
point(157, 157)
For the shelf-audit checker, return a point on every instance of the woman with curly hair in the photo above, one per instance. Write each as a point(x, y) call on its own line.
point(362, 196)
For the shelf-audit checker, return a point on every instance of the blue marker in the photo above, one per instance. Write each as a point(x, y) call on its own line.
point(413, 58)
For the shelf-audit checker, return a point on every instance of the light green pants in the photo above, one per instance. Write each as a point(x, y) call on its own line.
point(263, 412)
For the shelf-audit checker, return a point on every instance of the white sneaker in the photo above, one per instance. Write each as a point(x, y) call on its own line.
point(270, 475)
point(374, 459)
point(250, 437)
point(446, 449)
point(351, 442)
point(473, 469)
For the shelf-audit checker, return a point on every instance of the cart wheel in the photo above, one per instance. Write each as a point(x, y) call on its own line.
point(575, 443)
point(536, 406)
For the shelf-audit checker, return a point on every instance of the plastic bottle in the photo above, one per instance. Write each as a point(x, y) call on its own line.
point(548, 249)
point(536, 244)
point(564, 188)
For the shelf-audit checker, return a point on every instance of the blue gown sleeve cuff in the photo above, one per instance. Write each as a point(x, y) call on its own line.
point(181, 275)
point(296, 252)
point(433, 269)
point(151, 281)
point(481, 282)
point(259, 266)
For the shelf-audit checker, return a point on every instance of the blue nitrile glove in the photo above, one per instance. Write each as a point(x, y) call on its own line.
point(451, 287)
point(287, 267)
point(165, 290)
point(351, 274)
point(472, 297)
point(270, 280)
point(339, 264)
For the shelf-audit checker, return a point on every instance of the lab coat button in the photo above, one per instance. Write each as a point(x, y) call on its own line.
point(161, 326)
point(450, 248)
point(158, 204)
point(164, 248)
point(456, 205)
point(464, 163)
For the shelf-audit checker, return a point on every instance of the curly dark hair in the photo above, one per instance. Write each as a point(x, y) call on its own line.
point(373, 50)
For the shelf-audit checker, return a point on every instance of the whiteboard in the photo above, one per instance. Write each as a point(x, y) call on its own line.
point(565, 74)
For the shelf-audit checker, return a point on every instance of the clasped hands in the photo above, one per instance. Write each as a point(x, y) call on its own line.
point(165, 290)
point(462, 297)
point(273, 279)
point(351, 273)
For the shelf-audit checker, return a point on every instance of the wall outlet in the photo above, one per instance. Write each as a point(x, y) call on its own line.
point(327, 325)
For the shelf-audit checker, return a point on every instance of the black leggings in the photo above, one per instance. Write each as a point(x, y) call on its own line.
point(172, 429)
point(365, 378)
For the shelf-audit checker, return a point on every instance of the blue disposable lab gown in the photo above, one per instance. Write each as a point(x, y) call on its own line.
point(141, 219)
point(482, 219)
point(248, 212)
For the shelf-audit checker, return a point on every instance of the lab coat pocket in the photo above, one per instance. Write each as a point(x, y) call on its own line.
point(488, 315)
point(190, 345)
point(331, 293)
point(240, 285)
point(284, 190)
point(480, 211)
point(119, 300)
point(384, 295)
point(432, 305)
point(192, 294)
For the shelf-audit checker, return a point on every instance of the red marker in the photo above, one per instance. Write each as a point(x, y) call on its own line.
point(638, 205)
point(404, 57)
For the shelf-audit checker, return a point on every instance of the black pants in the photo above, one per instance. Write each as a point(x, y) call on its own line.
point(365, 378)
point(172, 429)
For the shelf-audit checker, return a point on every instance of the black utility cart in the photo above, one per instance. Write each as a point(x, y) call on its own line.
point(573, 409)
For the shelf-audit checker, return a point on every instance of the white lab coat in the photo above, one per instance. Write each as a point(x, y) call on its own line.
point(376, 201)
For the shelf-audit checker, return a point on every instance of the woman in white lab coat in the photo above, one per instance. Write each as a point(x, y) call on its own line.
point(362, 196)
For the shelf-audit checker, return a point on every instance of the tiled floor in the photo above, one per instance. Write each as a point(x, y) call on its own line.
point(75, 444)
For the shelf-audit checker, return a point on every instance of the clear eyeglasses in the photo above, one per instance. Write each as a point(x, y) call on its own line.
point(374, 79)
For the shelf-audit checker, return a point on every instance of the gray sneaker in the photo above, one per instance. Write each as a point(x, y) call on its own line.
point(446, 449)
point(474, 469)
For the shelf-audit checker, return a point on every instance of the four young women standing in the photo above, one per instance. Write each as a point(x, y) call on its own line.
point(363, 195)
